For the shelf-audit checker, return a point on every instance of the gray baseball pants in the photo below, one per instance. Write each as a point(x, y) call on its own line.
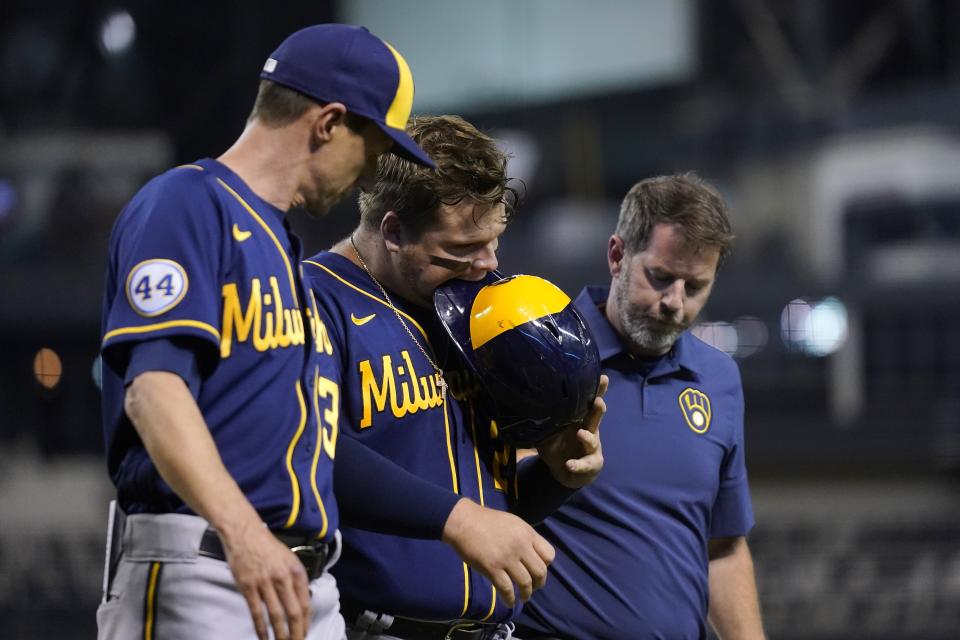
point(162, 589)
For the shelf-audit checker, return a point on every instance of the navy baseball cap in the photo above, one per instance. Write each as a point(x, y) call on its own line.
point(348, 64)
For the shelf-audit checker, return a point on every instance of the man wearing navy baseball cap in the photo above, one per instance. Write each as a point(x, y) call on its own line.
point(336, 63)
point(220, 434)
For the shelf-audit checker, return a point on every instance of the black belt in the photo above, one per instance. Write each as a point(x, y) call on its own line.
point(312, 553)
point(362, 619)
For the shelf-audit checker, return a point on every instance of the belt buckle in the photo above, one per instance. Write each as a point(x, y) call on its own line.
point(480, 630)
point(313, 557)
point(459, 629)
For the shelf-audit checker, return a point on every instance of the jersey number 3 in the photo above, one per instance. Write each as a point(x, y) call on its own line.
point(327, 388)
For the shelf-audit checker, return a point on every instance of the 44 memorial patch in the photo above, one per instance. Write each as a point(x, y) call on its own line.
point(156, 286)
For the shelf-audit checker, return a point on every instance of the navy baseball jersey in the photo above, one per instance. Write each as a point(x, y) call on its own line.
point(632, 547)
point(392, 402)
point(197, 258)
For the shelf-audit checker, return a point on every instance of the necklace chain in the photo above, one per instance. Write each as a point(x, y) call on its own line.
point(403, 323)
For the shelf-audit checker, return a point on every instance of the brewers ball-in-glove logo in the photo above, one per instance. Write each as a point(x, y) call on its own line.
point(696, 409)
point(156, 286)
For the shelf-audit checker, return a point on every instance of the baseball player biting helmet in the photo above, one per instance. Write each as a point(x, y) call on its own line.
point(446, 547)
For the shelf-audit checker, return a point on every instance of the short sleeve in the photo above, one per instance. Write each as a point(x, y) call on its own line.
point(161, 354)
point(732, 511)
point(165, 260)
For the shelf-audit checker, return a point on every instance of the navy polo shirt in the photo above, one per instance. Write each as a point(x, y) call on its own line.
point(632, 546)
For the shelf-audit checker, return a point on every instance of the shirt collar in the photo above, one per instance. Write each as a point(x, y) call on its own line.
point(609, 344)
point(237, 183)
point(589, 304)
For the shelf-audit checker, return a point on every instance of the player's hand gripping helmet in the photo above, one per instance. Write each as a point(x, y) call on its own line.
point(532, 351)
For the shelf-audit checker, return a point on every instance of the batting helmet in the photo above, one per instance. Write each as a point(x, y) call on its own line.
point(531, 350)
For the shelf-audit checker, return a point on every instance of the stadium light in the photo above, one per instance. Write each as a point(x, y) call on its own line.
point(816, 329)
point(117, 33)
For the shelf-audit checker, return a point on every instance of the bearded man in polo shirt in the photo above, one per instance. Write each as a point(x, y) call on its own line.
point(656, 546)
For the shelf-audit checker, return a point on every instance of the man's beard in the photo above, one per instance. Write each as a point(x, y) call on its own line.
point(416, 292)
point(645, 334)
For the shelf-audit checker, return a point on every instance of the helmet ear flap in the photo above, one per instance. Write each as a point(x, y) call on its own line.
point(532, 352)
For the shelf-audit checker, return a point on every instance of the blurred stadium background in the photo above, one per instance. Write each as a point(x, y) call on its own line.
point(832, 126)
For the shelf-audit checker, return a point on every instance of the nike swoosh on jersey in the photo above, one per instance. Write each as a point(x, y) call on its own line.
point(362, 321)
point(240, 236)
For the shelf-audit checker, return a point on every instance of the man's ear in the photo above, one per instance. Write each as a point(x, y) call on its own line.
point(326, 120)
point(392, 231)
point(616, 254)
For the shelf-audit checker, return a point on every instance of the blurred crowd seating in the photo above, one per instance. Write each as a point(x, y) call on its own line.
point(859, 580)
